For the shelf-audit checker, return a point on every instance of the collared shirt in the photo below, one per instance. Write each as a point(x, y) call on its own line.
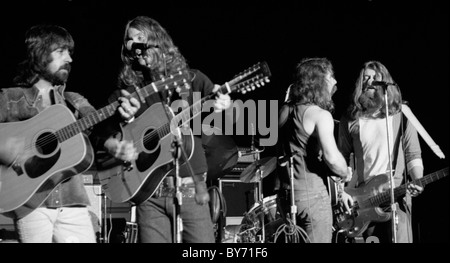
point(19, 104)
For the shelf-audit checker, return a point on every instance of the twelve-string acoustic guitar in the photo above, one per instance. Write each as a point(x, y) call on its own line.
point(152, 134)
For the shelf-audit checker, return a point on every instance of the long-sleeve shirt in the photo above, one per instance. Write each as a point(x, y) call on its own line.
point(20, 104)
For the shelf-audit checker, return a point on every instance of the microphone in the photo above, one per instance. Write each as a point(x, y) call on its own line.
point(383, 83)
point(251, 152)
point(282, 160)
point(131, 45)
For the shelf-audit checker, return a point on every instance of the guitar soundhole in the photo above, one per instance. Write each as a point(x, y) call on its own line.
point(151, 140)
point(46, 143)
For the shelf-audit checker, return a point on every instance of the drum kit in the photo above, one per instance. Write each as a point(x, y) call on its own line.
point(260, 223)
point(263, 221)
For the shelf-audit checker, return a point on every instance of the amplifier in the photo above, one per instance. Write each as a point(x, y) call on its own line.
point(239, 197)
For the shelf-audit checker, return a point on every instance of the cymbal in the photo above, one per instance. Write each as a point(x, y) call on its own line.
point(259, 169)
point(220, 150)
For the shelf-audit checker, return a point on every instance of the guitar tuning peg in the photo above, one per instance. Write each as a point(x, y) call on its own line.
point(243, 91)
point(253, 87)
point(178, 89)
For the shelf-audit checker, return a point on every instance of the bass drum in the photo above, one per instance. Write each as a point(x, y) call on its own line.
point(252, 222)
point(232, 234)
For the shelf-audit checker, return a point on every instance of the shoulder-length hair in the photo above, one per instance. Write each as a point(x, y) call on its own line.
point(170, 62)
point(310, 85)
point(40, 42)
point(394, 96)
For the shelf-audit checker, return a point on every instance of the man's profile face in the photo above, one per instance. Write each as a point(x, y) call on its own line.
point(59, 68)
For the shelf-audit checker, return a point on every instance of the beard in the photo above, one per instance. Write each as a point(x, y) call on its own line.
point(371, 101)
point(59, 77)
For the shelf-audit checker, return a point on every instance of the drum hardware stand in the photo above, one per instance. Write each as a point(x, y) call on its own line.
point(292, 228)
point(291, 179)
point(261, 201)
point(259, 193)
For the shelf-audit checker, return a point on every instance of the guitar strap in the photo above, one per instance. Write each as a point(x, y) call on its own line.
point(71, 104)
point(401, 131)
point(425, 136)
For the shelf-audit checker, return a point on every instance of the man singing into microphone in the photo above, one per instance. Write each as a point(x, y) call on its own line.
point(148, 55)
point(363, 132)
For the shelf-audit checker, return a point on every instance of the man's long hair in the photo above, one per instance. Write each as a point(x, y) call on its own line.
point(357, 109)
point(310, 85)
point(40, 42)
point(168, 60)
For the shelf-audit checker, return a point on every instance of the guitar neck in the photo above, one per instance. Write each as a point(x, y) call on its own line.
point(253, 77)
point(86, 122)
point(106, 112)
point(400, 191)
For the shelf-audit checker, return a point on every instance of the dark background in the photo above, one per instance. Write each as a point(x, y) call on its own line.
point(410, 37)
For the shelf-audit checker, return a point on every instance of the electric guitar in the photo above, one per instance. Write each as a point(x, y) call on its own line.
point(372, 202)
point(57, 150)
point(152, 136)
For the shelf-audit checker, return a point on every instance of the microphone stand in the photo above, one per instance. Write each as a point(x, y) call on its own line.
point(178, 198)
point(391, 175)
point(105, 222)
point(177, 151)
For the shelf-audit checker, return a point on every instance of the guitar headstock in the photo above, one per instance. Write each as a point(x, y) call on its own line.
point(178, 81)
point(251, 78)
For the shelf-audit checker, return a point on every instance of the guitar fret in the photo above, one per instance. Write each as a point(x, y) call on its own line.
point(60, 136)
point(82, 125)
point(143, 93)
point(90, 120)
point(160, 132)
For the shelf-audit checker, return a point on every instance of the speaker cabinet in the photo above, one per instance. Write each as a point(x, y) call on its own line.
point(239, 197)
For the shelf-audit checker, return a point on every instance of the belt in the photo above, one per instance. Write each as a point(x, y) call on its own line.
point(169, 181)
point(187, 191)
point(167, 188)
